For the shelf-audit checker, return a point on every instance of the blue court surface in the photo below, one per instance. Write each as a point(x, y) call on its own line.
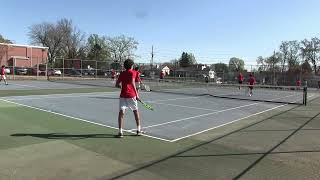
point(175, 116)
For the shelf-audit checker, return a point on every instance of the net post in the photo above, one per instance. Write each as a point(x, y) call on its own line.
point(305, 93)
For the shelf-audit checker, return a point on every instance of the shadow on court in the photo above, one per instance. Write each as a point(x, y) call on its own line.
point(225, 151)
point(67, 136)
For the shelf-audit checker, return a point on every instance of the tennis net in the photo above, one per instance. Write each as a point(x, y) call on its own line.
point(264, 93)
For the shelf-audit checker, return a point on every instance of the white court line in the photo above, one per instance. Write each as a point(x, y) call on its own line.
point(190, 107)
point(233, 121)
point(207, 114)
point(227, 123)
point(63, 115)
point(54, 96)
point(173, 99)
point(49, 96)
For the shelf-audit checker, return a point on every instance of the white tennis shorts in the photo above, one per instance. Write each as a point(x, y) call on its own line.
point(125, 103)
point(3, 77)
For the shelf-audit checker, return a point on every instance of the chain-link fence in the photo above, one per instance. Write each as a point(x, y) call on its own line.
point(216, 73)
point(82, 68)
point(26, 68)
point(264, 74)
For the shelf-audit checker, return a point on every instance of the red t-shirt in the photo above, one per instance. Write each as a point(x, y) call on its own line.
point(252, 81)
point(161, 74)
point(3, 71)
point(240, 77)
point(298, 83)
point(138, 76)
point(127, 78)
point(113, 73)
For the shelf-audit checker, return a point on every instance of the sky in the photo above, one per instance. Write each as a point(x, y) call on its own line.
point(213, 30)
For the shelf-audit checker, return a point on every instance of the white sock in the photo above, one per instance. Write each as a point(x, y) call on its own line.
point(121, 130)
point(139, 128)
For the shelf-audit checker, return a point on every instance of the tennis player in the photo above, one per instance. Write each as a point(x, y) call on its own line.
point(298, 83)
point(138, 79)
point(128, 96)
point(161, 75)
point(3, 74)
point(251, 82)
point(113, 74)
point(240, 79)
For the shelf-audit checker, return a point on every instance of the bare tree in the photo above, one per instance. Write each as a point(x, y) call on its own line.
point(74, 43)
point(62, 38)
point(47, 34)
point(97, 47)
point(3, 40)
point(121, 47)
point(290, 54)
point(284, 50)
point(3, 48)
point(294, 50)
point(310, 51)
point(236, 64)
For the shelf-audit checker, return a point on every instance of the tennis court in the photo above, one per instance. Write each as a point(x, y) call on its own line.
point(69, 133)
point(176, 115)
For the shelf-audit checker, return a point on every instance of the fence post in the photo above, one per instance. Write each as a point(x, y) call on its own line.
point(63, 68)
point(13, 69)
point(37, 68)
point(81, 67)
point(96, 69)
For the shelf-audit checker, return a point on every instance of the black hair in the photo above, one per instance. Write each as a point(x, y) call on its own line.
point(3, 66)
point(136, 68)
point(128, 63)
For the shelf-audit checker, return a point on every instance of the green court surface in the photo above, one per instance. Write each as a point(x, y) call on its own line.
point(279, 144)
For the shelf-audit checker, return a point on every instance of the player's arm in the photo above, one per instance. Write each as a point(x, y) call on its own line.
point(135, 88)
point(119, 81)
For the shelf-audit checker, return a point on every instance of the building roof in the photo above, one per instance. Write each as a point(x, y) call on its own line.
point(26, 46)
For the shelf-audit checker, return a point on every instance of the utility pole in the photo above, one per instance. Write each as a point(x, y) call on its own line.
point(151, 64)
point(152, 54)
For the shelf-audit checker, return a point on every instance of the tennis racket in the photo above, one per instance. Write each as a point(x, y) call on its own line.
point(147, 106)
point(146, 87)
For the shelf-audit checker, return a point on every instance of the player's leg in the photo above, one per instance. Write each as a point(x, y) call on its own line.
point(4, 79)
point(137, 118)
point(120, 122)
point(133, 104)
point(122, 110)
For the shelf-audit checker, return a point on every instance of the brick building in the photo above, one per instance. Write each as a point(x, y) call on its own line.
point(22, 55)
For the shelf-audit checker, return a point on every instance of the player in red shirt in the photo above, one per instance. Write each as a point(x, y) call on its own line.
point(3, 74)
point(161, 75)
point(113, 74)
point(129, 96)
point(298, 83)
point(251, 82)
point(240, 79)
point(138, 79)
